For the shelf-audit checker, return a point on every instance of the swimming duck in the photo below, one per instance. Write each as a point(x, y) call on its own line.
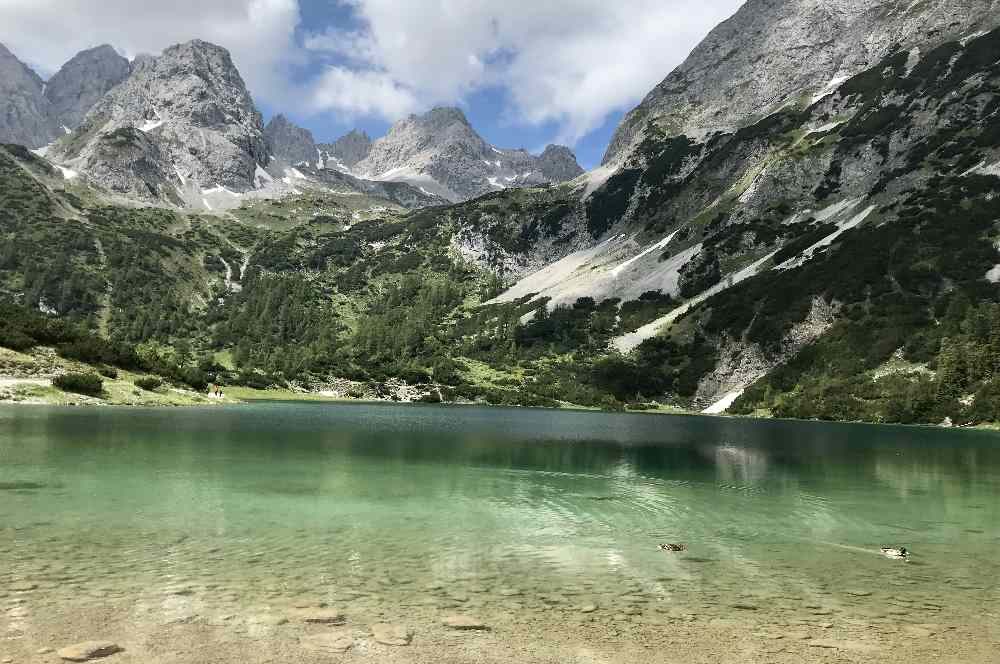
point(673, 548)
point(895, 552)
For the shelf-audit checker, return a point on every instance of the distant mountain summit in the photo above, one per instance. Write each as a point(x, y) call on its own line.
point(441, 152)
point(290, 142)
point(182, 123)
point(347, 150)
point(82, 81)
point(25, 114)
point(438, 152)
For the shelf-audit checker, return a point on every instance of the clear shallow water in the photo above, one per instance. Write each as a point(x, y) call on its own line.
point(391, 509)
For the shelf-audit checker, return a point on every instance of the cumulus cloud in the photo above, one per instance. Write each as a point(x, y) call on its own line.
point(568, 62)
point(260, 34)
point(357, 93)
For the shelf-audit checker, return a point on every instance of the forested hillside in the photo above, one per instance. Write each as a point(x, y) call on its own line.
point(835, 259)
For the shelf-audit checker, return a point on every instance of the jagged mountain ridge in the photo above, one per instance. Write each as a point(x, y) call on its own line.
point(181, 123)
point(805, 47)
point(441, 152)
point(438, 152)
point(181, 128)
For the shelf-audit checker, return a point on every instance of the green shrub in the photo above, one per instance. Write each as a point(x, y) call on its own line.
point(79, 383)
point(15, 339)
point(148, 383)
point(108, 372)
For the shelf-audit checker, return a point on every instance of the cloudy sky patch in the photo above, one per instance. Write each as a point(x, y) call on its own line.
point(526, 72)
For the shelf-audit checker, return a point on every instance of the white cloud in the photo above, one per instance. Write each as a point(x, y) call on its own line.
point(357, 93)
point(565, 61)
point(258, 33)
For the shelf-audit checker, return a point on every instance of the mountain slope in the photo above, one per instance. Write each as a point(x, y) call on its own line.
point(441, 152)
point(835, 257)
point(25, 114)
point(82, 81)
point(804, 46)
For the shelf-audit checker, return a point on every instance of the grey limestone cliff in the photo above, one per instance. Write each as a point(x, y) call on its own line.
point(777, 52)
point(198, 124)
point(25, 113)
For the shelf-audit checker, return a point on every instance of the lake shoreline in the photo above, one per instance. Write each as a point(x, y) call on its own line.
point(235, 396)
point(125, 394)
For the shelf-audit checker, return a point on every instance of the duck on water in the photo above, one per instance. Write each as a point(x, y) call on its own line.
point(895, 552)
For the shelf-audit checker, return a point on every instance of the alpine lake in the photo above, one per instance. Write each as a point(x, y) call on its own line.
point(306, 532)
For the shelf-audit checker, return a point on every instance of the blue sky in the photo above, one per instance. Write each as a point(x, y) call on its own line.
point(485, 107)
point(527, 73)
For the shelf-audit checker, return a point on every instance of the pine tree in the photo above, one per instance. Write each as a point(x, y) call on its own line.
point(952, 371)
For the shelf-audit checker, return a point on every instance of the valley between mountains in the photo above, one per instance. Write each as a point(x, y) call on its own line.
point(801, 221)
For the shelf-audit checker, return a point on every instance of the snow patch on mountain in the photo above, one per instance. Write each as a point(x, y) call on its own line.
point(659, 245)
point(67, 173)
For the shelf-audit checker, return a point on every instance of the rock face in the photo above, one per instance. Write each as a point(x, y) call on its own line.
point(775, 51)
point(347, 151)
point(198, 124)
point(441, 152)
point(289, 141)
point(82, 81)
point(88, 650)
point(558, 164)
point(25, 113)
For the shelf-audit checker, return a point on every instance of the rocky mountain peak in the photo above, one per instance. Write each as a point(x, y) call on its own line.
point(441, 152)
point(772, 51)
point(82, 81)
point(558, 163)
point(349, 149)
point(25, 113)
point(290, 142)
point(442, 117)
point(193, 106)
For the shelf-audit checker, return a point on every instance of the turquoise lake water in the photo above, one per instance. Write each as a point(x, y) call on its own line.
point(385, 506)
